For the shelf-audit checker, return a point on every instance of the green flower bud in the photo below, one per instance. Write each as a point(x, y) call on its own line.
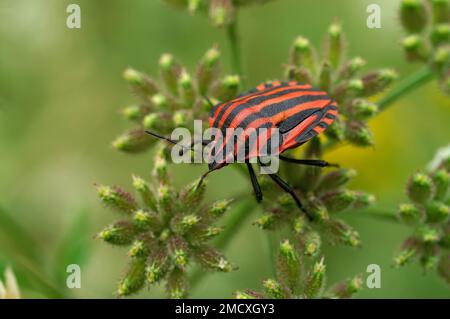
point(158, 121)
point(193, 194)
point(117, 199)
point(343, 233)
point(142, 187)
point(437, 212)
point(138, 249)
point(133, 141)
point(405, 256)
point(441, 180)
point(441, 58)
point(409, 214)
point(273, 289)
point(180, 258)
point(208, 70)
point(378, 81)
point(302, 54)
point(348, 288)
point(219, 208)
point(266, 221)
point(222, 12)
point(120, 233)
point(430, 260)
point(157, 267)
point(299, 74)
point(287, 251)
point(358, 134)
point(420, 188)
point(134, 112)
point(227, 88)
point(177, 284)
point(336, 130)
point(180, 118)
point(325, 76)
point(160, 170)
point(413, 15)
point(209, 258)
point(317, 209)
point(160, 101)
point(186, 88)
point(189, 221)
point(440, 34)
point(195, 5)
point(143, 85)
point(363, 200)
point(335, 179)
point(335, 45)
point(134, 279)
point(428, 235)
point(338, 200)
point(143, 220)
point(211, 232)
point(243, 295)
point(312, 244)
point(164, 198)
point(441, 11)
point(316, 279)
point(351, 68)
point(362, 109)
point(170, 72)
point(300, 225)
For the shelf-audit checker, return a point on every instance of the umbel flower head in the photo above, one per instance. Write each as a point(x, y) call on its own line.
point(175, 100)
point(427, 24)
point(428, 213)
point(299, 277)
point(324, 194)
point(342, 79)
point(221, 12)
point(165, 233)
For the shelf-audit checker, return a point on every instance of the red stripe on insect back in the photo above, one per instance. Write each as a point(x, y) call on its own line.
point(289, 139)
point(237, 102)
point(260, 106)
point(277, 118)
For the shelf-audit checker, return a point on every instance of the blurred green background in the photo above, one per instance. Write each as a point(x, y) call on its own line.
point(60, 92)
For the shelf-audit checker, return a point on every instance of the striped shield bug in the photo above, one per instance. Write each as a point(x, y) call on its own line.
point(289, 114)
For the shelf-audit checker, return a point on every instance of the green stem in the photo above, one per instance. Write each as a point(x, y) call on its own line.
point(235, 48)
point(379, 214)
point(412, 82)
point(233, 224)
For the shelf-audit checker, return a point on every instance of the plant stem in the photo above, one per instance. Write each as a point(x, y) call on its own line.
point(379, 214)
point(412, 82)
point(236, 220)
point(235, 48)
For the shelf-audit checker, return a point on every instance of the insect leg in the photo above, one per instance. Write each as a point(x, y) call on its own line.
point(310, 162)
point(287, 188)
point(256, 187)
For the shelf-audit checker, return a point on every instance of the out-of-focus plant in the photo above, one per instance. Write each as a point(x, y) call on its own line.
point(428, 213)
point(175, 100)
point(222, 13)
point(299, 276)
point(427, 24)
point(165, 233)
point(9, 289)
point(344, 81)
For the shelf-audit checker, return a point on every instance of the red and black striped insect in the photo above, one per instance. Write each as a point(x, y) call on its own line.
point(297, 111)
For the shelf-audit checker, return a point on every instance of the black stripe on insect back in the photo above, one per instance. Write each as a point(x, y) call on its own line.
point(241, 97)
point(310, 133)
point(273, 109)
point(257, 99)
